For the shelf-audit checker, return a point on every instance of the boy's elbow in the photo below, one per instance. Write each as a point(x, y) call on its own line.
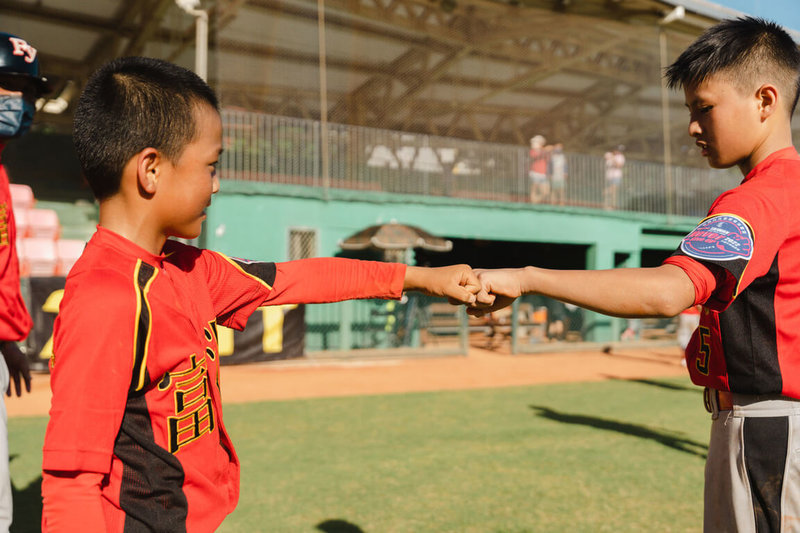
point(668, 305)
point(671, 309)
point(672, 293)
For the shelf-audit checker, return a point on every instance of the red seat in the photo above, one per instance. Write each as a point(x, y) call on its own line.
point(67, 252)
point(43, 223)
point(37, 257)
point(21, 221)
point(21, 196)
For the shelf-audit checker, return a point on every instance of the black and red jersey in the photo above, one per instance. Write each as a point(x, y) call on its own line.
point(744, 261)
point(15, 322)
point(135, 375)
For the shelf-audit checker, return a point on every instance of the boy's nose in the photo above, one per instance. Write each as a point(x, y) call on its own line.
point(694, 128)
point(215, 185)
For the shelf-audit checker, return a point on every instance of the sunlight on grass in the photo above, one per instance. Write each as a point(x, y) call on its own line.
point(612, 456)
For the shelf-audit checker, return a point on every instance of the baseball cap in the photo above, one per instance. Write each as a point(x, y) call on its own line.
point(19, 66)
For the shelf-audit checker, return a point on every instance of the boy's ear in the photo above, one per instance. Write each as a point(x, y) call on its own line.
point(148, 163)
point(768, 100)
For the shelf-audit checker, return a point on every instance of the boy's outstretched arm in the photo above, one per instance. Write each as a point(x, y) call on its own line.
point(456, 282)
point(662, 291)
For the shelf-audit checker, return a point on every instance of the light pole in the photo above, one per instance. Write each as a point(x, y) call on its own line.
point(201, 35)
point(676, 14)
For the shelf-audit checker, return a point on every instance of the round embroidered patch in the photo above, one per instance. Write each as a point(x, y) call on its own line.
point(720, 238)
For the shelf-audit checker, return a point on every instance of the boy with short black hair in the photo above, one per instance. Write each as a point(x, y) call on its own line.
point(742, 263)
point(135, 440)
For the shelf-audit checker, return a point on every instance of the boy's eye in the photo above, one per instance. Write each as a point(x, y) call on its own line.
point(706, 108)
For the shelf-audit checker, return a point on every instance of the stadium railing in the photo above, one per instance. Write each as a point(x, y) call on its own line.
point(282, 150)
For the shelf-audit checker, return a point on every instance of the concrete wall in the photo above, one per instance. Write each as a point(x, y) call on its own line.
point(253, 219)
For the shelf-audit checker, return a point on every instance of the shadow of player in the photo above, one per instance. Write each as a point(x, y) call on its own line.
point(338, 526)
point(670, 439)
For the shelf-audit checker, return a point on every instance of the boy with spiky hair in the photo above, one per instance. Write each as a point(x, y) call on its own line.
point(742, 263)
point(136, 440)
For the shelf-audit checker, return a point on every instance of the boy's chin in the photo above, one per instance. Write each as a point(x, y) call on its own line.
point(188, 235)
point(715, 163)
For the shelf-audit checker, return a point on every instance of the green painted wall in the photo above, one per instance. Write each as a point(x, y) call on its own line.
point(252, 220)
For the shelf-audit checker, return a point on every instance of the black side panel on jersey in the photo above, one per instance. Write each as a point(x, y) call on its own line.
point(749, 339)
point(261, 270)
point(140, 378)
point(151, 491)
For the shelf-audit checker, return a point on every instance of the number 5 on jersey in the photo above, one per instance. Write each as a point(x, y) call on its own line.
point(701, 363)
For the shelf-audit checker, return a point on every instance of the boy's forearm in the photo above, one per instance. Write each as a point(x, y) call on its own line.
point(626, 292)
point(414, 278)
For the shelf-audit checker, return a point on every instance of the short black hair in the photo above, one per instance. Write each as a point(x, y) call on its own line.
point(130, 104)
point(748, 51)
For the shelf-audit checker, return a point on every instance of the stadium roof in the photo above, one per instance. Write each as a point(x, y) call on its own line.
point(583, 72)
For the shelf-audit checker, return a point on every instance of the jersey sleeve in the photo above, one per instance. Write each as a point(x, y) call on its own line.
point(90, 372)
point(333, 279)
point(238, 286)
point(15, 322)
point(735, 244)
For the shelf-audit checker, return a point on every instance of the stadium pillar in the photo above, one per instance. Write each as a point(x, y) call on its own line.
point(599, 327)
point(346, 325)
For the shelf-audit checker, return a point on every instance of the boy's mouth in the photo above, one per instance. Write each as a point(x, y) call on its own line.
point(703, 147)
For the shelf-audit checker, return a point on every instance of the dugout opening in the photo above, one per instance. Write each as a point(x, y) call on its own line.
point(480, 253)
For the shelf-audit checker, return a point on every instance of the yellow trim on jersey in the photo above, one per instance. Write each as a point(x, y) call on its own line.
point(235, 264)
point(141, 297)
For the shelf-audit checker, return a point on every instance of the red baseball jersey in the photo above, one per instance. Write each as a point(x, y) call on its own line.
point(135, 375)
point(15, 322)
point(744, 261)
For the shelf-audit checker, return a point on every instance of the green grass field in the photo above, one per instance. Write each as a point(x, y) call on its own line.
point(612, 456)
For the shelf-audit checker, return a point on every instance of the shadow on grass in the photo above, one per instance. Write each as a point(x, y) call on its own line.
point(662, 384)
point(338, 526)
point(27, 508)
point(666, 438)
point(654, 357)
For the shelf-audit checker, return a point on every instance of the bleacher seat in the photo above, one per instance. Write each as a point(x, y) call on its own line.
point(21, 221)
point(37, 257)
point(22, 196)
point(43, 223)
point(67, 252)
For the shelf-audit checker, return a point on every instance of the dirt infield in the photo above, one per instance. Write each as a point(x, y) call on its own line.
point(480, 369)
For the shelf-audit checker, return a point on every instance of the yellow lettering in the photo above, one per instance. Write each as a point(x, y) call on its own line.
point(51, 305)
point(194, 414)
point(3, 224)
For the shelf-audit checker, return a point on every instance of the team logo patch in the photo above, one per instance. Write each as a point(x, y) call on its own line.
point(720, 238)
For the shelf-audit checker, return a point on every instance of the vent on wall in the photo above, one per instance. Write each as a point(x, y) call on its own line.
point(302, 243)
